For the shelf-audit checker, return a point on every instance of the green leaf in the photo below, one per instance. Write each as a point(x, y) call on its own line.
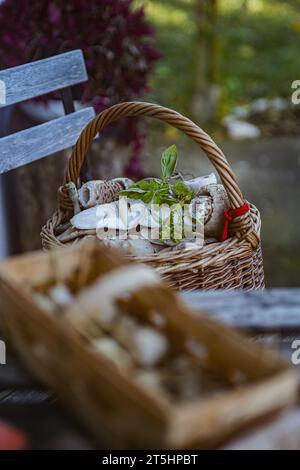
point(158, 185)
point(168, 199)
point(160, 195)
point(143, 184)
point(132, 190)
point(169, 161)
point(133, 193)
point(147, 198)
point(183, 192)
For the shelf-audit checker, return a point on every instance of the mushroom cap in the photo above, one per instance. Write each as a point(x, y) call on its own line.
point(197, 183)
point(124, 214)
point(100, 216)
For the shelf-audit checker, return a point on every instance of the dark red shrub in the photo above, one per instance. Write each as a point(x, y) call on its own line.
point(116, 39)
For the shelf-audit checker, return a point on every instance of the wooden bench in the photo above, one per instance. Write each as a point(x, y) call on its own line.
point(25, 82)
point(38, 78)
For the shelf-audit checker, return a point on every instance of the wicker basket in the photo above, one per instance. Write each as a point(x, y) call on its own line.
point(231, 264)
point(120, 411)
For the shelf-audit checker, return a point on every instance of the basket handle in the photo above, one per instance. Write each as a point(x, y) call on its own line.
point(242, 226)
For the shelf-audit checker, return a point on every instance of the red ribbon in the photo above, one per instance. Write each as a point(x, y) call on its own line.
point(231, 214)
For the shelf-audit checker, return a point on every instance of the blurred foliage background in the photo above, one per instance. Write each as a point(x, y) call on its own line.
point(247, 49)
point(254, 45)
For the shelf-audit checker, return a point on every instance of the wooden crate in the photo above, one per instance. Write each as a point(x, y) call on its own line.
point(118, 410)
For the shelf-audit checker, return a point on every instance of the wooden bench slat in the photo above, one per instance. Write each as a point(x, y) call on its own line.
point(43, 140)
point(280, 433)
point(38, 78)
point(267, 310)
point(24, 397)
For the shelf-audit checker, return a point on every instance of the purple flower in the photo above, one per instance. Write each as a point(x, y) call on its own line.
point(54, 13)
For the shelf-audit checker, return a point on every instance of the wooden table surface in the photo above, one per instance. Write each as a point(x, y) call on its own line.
point(270, 316)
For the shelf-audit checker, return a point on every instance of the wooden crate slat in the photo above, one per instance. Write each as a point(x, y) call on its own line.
point(41, 141)
point(38, 78)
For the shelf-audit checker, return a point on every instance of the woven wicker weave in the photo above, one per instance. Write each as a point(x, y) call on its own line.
point(232, 264)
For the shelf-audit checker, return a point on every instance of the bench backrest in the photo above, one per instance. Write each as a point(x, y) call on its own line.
point(29, 81)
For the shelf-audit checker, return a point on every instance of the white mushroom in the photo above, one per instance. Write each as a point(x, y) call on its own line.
point(131, 212)
point(136, 247)
point(101, 191)
point(44, 302)
point(100, 216)
point(123, 330)
point(150, 346)
point(197, 183)
point(124, 214)
point(125, 182)
point(97, 302)
point(61, 295)
point(90, 193)
point(195, 244)
point(149, 379)
point(219, 203)
point(113, 351)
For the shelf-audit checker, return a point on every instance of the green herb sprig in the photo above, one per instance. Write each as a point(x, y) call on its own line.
point(169, 162)
point(162, 192)
point(153, 191)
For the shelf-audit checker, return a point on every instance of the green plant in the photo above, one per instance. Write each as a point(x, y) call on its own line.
point(165, 191)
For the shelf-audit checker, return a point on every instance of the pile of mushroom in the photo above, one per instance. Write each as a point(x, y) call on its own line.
point(149, 216)
point(139, 346)
point(101, 212)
